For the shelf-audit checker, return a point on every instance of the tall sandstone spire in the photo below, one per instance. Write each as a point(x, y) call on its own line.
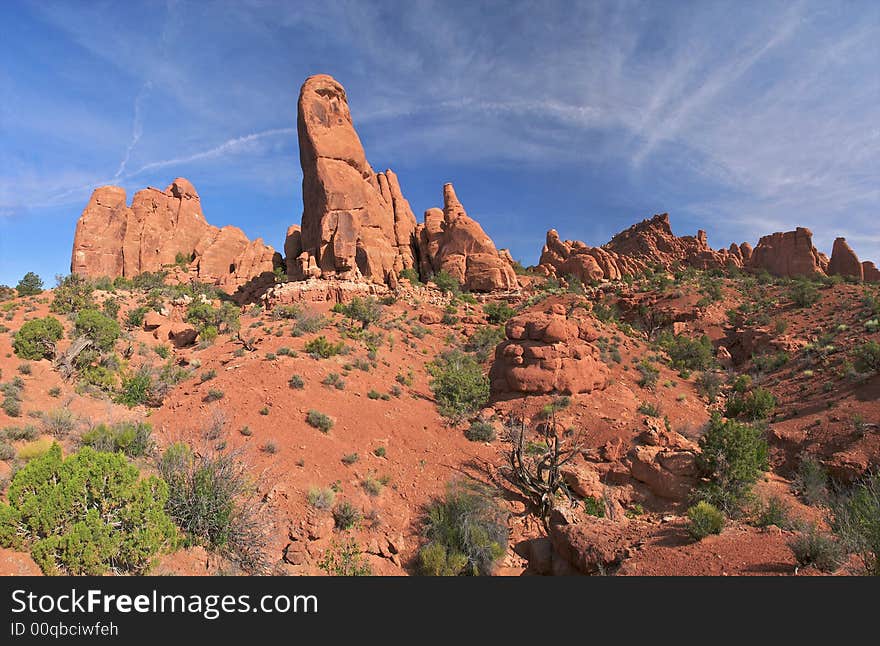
point(356, 223)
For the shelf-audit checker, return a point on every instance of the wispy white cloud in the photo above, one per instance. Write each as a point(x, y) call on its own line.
point(739, 117)
point(137, 128)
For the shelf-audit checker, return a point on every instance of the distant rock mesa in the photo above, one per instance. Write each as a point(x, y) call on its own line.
point(646, 244)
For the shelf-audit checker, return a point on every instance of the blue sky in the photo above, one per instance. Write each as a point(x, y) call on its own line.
point(741, 118)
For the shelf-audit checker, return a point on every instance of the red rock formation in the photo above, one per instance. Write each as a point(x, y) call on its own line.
point(788, 254)
point(548, 351)
point(115, 240)
point(844, 261)
point(355, 222)
point(458, 245)
point(870, 272)
point(650, 242)
point(666, 463)
point(595, 545)
point(429, 235)
point(653, 243)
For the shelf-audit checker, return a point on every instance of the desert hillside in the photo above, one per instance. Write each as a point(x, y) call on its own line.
point(395, 397)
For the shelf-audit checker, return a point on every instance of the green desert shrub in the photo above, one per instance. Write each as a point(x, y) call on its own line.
point(59, 422)
point(704, 519)
point(365, 311)
point(594, 506)
point(733, 456)
point(296, 382)
point(649, 409)
point(72, 294)
point(446, 282)
point(134, 439)
point(7, 451)
point(775, 511)
point(345, 559)
point(321, 498)
point(465, 531)
point(459, 385)
point(88, 514)
point(149, 280)
point(36, 339)
point(649, 374)
point(111, 307)
point(751, 405)
point(811, 481)
point(319, 421)
point(18, 433)
point(480, 431)
point(867, 357)
point(345, 515)
point(484, 340)
point(30, 285)
point(498, 312)
point(803, 293)
point(309, 322)
point(101, 330)
point(320, 347)
point(686, 353)
point(138, 388)
point(205, 317)
point(135, 317)
point(709, 385)
point(412, 275)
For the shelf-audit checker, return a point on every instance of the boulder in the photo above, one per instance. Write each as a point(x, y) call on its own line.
point(153, 320)
point(546, 350)
point(668, 473)
point(595, 545)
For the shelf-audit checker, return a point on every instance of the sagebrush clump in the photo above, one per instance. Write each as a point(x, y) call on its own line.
point(466, 532)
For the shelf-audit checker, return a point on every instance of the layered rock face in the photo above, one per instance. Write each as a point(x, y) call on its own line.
point(356, 223)
point(650, 242)
point(549, 351)
point(789, 254)
point(844, 261)
point(451, 241)
point(113, 239)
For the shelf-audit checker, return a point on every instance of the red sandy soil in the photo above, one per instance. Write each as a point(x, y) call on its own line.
point(423, 452)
